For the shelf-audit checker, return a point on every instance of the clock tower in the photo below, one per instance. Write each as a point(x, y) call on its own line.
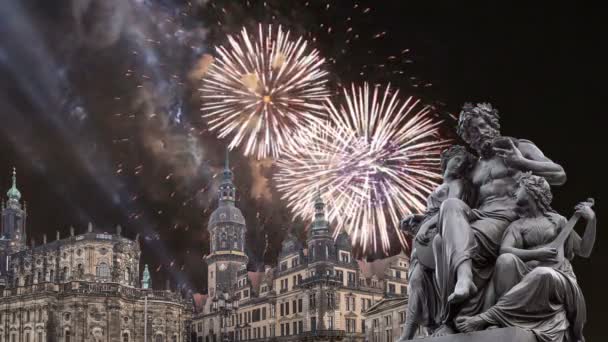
point(227, 238)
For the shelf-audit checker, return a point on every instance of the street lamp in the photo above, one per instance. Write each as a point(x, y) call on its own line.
point(224, 305)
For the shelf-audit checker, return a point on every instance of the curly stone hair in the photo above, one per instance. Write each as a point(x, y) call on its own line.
point(450, 152)
point(539, 189)
point(484, 110)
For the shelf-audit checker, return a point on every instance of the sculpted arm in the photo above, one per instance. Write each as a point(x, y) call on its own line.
point(584, 246)
point(512, 243)
point(528, 157)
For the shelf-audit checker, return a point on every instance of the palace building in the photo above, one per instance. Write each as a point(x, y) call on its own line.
point(83, 287)
point(316, 293)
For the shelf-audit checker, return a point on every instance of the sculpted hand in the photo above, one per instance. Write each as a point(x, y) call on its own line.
point(584, 210)
point(511, 155)
point(546, 254)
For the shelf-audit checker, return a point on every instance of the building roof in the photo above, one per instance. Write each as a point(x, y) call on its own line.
point(226, 213)
point(386, 304)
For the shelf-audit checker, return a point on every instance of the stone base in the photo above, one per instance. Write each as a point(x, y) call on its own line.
point(492, 335)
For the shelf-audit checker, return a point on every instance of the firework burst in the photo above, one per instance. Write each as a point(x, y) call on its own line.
point(261, 89)
point(375, 160)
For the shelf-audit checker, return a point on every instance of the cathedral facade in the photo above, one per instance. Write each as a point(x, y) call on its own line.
point(317, 292)
point(82, 287)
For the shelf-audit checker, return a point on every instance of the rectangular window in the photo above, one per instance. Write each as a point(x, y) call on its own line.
point(401, 317)
point(363, 326)
point(397, 274)
point(300, 326)
point(391, 288)
point(313, 323)
point(351, 278)
point(330, 326)
point(263, 313)
point(282, 311)
point(264, 331)
point(388, 321)
point(403, 290)
point(300, 305)
point(294, 306)
point(287, 309)
point(282, 329)
point(351, 325)
point(284, 266)
point(286, 328)
point(256, 315)
point(295, 328)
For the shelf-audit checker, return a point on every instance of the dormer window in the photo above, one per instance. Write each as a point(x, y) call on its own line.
point(345, 257)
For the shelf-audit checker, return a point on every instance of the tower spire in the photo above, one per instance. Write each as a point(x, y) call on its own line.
point(227, 190)
point(14, 193)
point(146, 282)
point(319, 224)
point(227, 161)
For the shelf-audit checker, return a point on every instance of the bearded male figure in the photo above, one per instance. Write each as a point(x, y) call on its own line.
point(469, 239)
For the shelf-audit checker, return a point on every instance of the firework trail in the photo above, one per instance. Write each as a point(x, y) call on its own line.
point(261, 89)
point(374, 161)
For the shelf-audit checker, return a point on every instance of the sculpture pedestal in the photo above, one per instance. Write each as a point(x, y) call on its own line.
point(493, 335)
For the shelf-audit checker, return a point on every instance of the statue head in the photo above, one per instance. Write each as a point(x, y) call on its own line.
point(533, 195)
point(456, 161)
point(478, 126)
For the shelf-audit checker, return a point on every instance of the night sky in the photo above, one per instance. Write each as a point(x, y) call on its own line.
point(99, 108)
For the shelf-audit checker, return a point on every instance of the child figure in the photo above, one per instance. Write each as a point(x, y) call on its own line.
point(423, 307)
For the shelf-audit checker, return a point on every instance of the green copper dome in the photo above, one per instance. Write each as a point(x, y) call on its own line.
point(14, 193)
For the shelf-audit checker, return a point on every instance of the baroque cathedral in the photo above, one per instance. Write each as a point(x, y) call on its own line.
point(81, 287)
point(318, 291)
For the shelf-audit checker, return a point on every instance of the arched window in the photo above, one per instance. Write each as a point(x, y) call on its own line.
point(223, 240)
point(80, 269)
point(125, 337)
point(127, 275)
point(158, 338)
point(67, 336)
point(103, 270)
point(65, 274)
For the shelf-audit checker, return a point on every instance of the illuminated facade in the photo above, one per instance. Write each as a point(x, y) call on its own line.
point(316, 293)
point(83, 287)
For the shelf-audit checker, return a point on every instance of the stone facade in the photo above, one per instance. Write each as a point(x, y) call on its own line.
point(385, 321)
point(83, 287)
point(316, 293)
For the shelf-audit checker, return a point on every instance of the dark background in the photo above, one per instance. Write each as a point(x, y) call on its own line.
point(61, 75)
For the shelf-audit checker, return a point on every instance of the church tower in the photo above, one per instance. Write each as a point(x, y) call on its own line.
point(227, 238)
point(321, 246)
point(12, 228)
point(13, 218)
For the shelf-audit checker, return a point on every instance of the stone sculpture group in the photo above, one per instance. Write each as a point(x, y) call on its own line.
point(490, 251)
